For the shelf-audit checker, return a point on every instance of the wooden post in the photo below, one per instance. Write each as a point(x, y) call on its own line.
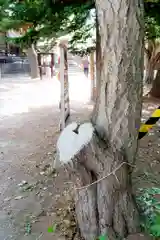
point(64, 102)
point(58, 73)
point(52, 64)
point(40, 65)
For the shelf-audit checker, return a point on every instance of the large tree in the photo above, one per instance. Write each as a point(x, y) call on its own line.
point(107, 152)
point(117, 113)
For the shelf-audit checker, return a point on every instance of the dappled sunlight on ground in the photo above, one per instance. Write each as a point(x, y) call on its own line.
point(79, 89)
point(23, 97)
point(25, 94)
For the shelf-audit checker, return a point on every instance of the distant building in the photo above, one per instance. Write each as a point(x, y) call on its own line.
point(7, 48)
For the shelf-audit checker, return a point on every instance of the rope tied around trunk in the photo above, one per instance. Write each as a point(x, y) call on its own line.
point(111, 173)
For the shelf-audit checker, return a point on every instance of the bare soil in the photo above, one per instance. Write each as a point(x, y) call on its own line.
point(33, 196)
point(147, 172)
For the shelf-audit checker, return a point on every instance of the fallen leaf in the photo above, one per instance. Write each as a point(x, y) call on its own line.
point(18, 197)
point(67, 222)
point(7, 199)
point(28, 228)
point(22, 183)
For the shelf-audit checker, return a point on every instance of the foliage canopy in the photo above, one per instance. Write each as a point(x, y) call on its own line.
point(51, 19)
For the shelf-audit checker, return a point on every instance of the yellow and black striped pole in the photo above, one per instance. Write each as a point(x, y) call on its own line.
point(145, 127)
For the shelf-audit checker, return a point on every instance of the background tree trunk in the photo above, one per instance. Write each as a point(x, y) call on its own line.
point(33, 61)
point(155, 91)
point(153, 57)
point(98, 56)
point(6, 45)
point(149, 77)
point(92, 76)
point(108, 207)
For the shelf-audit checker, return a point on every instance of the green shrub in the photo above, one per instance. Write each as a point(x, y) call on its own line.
point(150, 210)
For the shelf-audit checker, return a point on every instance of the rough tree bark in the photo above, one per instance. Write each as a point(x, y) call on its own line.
point(33, 61)
point(116, 118)
point(155, 91)
point(108, 207)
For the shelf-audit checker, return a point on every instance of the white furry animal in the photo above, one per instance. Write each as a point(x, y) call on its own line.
point(72, 139)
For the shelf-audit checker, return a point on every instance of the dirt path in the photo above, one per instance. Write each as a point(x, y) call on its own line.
point(29, 127)
point(27, 155)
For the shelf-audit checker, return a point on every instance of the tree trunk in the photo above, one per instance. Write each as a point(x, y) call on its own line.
point(116, 119)
point(92, 76)
point(155, 91)
point(149, 77)
point(103, 165)
point(32, 57)
point(153, 57)
point(6, 45)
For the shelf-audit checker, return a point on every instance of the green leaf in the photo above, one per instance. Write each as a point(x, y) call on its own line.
point(52, 229)
point(28, 228)
point(155, 230)
point(103, 237)
point(158, 220)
